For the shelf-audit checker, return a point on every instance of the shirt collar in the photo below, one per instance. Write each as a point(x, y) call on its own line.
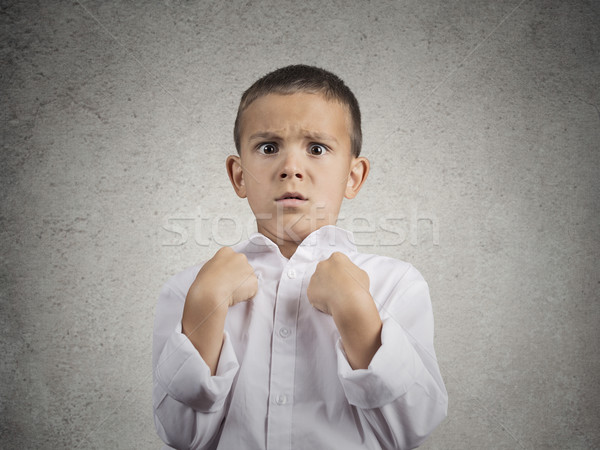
point(325, 240)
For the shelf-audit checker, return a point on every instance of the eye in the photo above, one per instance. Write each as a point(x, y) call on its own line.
point(317, 149)
point(267, 149)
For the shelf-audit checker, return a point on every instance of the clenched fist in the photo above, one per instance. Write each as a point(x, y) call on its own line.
point(226, 278)
point(336, 283)
point(340, 288)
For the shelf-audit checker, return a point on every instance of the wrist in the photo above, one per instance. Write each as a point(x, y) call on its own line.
point(359, 326)
point(213, 294)
point(357, 318)
point(351, 307)
point(209, 310)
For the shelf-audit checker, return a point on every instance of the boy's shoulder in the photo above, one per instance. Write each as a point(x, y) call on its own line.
point(389, 262)
point(386, 267)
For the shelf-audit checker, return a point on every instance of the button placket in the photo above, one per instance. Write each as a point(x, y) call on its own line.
point(283, 353)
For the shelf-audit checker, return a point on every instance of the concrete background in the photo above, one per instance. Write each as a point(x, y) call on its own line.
point(482, 123)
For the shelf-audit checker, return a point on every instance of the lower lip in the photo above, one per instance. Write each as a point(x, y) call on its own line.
point(290, 202)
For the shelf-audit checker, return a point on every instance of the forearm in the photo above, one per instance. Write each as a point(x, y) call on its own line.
point(226, 279)
point(204, 327)
point(402, 395)
point(359, 325)
point(189, 403)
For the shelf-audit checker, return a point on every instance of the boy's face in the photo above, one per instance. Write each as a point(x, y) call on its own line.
point(295, 165)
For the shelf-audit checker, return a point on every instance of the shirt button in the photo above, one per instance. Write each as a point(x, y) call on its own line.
point(291, 273)
point(284, 332)
point(281, 399)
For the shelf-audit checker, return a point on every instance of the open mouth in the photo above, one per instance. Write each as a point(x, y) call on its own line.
point(291, 196)
point(290, 199)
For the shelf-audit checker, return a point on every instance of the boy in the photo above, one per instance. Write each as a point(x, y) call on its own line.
point(293, 339)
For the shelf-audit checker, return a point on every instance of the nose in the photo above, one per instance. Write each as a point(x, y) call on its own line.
point(292, 167)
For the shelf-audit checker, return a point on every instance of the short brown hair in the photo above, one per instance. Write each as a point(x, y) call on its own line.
point(302, 78)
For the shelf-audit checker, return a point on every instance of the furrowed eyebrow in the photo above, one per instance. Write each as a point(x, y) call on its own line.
point(263, 135)
point(321, 137)
point(313, 136)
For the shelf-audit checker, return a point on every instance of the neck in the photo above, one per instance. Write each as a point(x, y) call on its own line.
point(287, 246)
point(287, 249)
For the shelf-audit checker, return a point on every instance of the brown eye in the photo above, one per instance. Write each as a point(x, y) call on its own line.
point(267, 149)
point(317, 150)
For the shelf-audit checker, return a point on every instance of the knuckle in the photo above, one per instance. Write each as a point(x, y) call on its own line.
point(224, 251)
point(337, 256)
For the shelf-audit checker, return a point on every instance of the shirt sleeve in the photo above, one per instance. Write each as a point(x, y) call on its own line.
point(189, 404)
point(401, 395)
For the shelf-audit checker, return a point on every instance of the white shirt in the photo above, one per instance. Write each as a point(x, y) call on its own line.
point(283, 380)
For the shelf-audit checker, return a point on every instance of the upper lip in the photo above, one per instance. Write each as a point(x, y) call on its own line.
point(296, 195)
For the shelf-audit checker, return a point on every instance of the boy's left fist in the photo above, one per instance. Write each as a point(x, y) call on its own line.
point(338, 283)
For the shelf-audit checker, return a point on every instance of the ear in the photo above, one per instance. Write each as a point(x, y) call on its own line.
point(236, 175)
point(359, 169)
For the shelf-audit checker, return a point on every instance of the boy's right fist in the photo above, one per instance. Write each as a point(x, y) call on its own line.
point(227, 278)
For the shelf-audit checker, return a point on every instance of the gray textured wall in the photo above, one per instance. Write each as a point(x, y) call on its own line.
point(482, 123)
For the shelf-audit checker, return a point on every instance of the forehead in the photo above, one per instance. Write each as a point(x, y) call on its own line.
point(295, 113)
